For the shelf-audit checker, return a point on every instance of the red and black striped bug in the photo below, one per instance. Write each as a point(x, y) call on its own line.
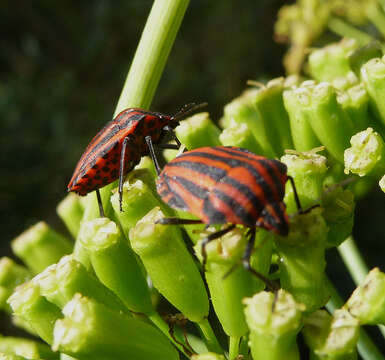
point(119, 146)
point(225, 184)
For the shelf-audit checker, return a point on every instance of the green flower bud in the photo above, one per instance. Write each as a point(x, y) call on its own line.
point(240, 135)
point(373, 77)
point(302, 265)
point(11, 275)
point(116, 266)
point(170, 266)
point(308, 170)
point(332, 337)
point(26, 348)
point(40, 246)
point(60, 282)
point(274, 324)
point(296, 101)
point(197, 131)
point(367, 303)
point(29, 305)
point(91, 330)
point(366, 155)
point(71, 212)
point(332, 61)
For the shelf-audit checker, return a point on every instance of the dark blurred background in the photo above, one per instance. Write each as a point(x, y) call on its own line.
point(62, 67)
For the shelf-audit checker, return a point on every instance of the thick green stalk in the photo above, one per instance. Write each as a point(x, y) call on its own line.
point(274, 322)
point(40, 246)
point(116, 266)
point(28, 304)
point(151, 54)
point(90, 330)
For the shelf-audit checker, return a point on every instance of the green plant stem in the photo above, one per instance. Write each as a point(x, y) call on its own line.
point(353, 260)
point(366, 348)
point(234, 347)
point(151, 54)
point(211, 339)
point(376, 16)
point(343, 29)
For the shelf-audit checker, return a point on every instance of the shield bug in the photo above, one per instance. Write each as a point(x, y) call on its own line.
point(119, 146)
point(227, 185)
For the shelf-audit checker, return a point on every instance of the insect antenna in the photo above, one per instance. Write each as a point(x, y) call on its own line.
point(187, 110)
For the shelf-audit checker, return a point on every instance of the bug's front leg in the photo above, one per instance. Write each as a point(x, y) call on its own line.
point(127, 140)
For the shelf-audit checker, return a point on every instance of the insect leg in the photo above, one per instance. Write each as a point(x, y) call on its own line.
point(296, 198)
point(121, 169)
point(246, 263)
point(101, 211)
point(152, 153)
point(172, 133)
point(177, 221)
point(212, 237)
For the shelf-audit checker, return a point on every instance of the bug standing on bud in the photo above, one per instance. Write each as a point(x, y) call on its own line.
point(227, 185)
point(119, 146)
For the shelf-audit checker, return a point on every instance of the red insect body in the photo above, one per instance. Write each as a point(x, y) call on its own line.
point(227, 185)
point(100, 163)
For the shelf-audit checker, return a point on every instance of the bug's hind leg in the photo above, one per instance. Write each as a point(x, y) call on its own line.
point(296, 198)
point(177, 221)
point(101, 210)
point(122, 170)
point(210, 238)
point(246, 263)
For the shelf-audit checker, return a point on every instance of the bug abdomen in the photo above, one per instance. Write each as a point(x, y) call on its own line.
point(222, 184)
